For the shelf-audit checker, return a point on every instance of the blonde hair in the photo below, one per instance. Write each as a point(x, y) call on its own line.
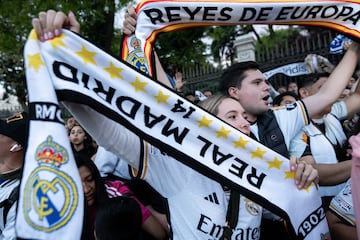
point(211, 104)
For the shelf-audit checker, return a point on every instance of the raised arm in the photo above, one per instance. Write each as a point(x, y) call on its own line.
point(337, 81)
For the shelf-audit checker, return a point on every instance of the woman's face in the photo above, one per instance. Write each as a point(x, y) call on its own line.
point(231, 111)
point(77, 135)
point(88, 183)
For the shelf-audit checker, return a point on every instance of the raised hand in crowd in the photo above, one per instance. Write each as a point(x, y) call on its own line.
point(49, 24)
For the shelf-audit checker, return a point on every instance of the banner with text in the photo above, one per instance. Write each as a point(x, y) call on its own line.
point(154, 17)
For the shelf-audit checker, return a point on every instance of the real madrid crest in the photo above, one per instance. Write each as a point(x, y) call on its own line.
point(136, 56)
point(50, 195)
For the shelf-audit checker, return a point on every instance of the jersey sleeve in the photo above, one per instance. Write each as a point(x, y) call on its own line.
point(109, 134)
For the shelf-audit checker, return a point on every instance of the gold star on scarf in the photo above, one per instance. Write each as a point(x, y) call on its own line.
point(114, 71)
point(33, 35)
point(222, 132)
point(86, 55)
point(241, 143)
point(204, 122)
point(35, 61)
point(275, 164)
point(308, 188)
point(258, 153)
point(58, 41)
point(289, 175)
point(139, 85)
point(161, 97)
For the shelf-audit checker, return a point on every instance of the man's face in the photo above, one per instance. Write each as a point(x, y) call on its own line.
point(253, 94)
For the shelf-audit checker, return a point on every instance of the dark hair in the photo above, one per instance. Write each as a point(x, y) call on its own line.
point(119, 219)
point(100, 194)
point(311, 78)
point(89, 148)
point(233, 76)
point(279, 98)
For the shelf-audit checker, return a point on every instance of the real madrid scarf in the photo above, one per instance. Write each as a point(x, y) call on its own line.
point(81, 72)
point(51, 198)
point(154, 17)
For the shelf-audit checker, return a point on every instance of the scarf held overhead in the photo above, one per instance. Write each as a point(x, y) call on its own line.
point(154, 17)
point(81, 72)
point(51, 196)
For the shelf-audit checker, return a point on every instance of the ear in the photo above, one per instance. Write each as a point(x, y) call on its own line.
point(303, 92)
point(232, 91)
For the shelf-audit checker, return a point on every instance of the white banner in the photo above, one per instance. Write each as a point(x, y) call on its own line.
point(291, 70)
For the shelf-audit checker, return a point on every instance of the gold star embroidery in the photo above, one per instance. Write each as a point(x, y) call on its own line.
point(289, 175)
point(139, 85)
point(161, 97)
point(58, 41)
point(241, 143)
point(86, 55)
point(114, 71)
point(204, 122)
point(35, 61)
point(308, 188)
point(258, 153)
point(33, 35)
point(275, 164)
point(222, 132)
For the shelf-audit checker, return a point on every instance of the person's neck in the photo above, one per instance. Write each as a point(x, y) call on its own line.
point(79, 147)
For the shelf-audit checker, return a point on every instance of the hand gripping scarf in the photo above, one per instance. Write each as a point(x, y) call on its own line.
point(80, 72)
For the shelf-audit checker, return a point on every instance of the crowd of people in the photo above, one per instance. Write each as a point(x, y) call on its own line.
point(312, 123)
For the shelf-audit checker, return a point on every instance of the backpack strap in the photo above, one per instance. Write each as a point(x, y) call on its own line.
point(232, 215)
point(7, 203)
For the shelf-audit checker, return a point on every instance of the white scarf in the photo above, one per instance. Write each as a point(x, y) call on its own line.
point(51, 196)
point(80, 72)
point(154, 17)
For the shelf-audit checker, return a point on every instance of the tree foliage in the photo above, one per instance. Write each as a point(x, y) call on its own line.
point(276, 38)
point(181, 49)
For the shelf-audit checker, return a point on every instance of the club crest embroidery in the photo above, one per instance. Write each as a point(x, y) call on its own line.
point(50, 195)
point(136, 56)
point(252, 207)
